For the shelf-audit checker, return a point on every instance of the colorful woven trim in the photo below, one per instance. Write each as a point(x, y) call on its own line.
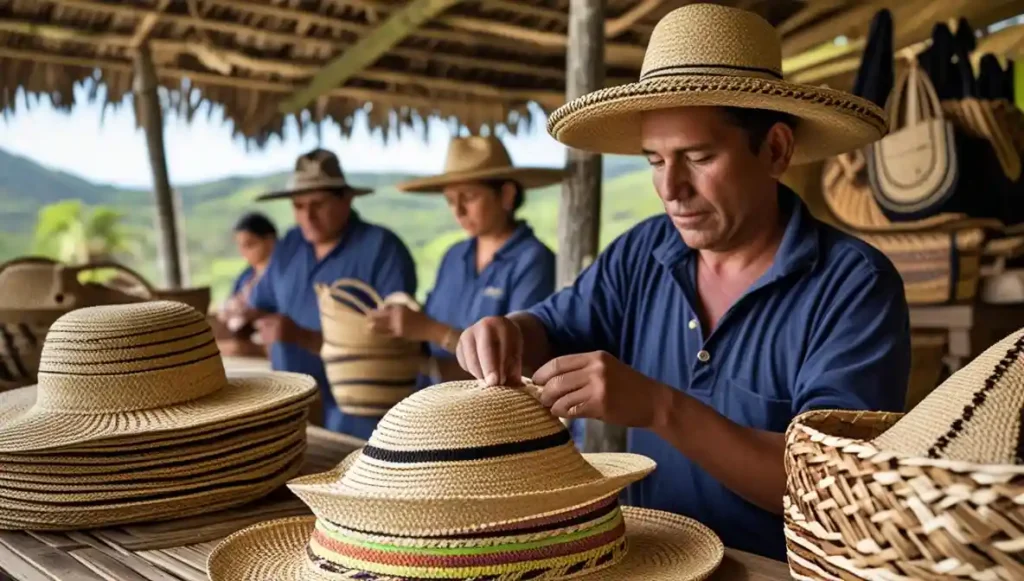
point(552, 547)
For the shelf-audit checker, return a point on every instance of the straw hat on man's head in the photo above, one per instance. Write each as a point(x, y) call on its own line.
point(465, 481)
point(482, 158)
point(317, 170)
point(710, 55)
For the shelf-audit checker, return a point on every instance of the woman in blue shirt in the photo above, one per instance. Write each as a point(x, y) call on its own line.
point(501, 268)
point(255, 236)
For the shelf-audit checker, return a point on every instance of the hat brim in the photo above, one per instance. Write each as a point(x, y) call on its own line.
point(26, 428)
point(406, 514)
point(609, 120)
point(661, 547)
point(527, 177)
point(279, 194)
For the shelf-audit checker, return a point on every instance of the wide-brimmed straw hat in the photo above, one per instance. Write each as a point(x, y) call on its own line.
point(316, 170)
point(481, 158)
point(134, 371)
point(462, 481)
point(932, 494)
point(709, 55)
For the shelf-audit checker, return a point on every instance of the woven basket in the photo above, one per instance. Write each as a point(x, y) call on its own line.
point(927, 351)
point(937, 267)
point(853, 512)
point(368, 372)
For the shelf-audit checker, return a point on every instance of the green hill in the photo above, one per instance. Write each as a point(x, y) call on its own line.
point(209, 209)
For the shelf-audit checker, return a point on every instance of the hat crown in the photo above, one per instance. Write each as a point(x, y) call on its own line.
point(486, 441)
point(317, 167)
point(744, 44)
point(476, 153)
point(129, 357)
point(976, 415)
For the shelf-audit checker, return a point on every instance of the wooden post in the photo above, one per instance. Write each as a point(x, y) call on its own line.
point(579, 216)
point(147, 108)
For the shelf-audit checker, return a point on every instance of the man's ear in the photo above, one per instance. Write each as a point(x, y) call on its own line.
point(778, 147)
point(508, 196)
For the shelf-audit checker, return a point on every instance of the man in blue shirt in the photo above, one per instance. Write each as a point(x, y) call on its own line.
point(709, 328)
point(329, 242)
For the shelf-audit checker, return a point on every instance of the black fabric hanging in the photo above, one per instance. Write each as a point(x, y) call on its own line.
point(991, 78)
point(875, 77)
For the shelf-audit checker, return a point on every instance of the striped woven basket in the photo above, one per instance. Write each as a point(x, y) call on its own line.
point(933, 494)
point(368, 372)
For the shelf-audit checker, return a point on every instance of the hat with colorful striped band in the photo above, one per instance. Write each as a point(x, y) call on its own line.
point(466, 481)
point(132, 370)
point(742, 67)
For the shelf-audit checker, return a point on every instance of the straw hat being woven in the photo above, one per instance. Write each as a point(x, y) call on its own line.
point(932, 494)
point(315, 170)
point(131, 371)
point(482, 158)
point(466, 481)
point(739, 65)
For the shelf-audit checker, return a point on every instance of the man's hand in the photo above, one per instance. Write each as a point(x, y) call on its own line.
point(597, 385)
point(403, 322)
point(492, 350)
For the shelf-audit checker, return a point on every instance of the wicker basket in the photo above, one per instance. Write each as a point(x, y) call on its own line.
point(933, 494)
point(368, 372)
point(937, 267)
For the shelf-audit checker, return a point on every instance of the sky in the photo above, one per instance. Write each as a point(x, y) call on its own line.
point(114, 151)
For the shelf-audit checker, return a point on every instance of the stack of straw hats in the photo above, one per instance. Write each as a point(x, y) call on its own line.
point(368, 372)
point(936, 493)
point(465, 481)
point(135, 419)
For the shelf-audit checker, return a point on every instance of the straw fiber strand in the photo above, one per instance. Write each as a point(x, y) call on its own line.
point(660, 547)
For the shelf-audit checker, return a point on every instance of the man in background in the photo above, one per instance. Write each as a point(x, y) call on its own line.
point(329, 242)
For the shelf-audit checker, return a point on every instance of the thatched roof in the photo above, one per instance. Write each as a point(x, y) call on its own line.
point(478, 61)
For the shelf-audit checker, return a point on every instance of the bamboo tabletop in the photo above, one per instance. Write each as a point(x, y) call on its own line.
point(176, 550)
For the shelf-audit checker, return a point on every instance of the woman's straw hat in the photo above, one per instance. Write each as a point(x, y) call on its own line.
point(462, 480)
point(709, 55)
point(315, 170)
point(132, 371)
point(482, 158)
point(935, 493)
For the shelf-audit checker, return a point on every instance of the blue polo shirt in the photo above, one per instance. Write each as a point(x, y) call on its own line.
point(827, 326)
point(244, 277)
point(367, 252)
point(521, 275)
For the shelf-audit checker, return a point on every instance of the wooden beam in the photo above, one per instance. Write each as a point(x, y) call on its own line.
point(810, 12)
point(150, 116)
point(147, 23)
point(367, 50)
point(617, 26)
point(858, 15)
point(627, 55)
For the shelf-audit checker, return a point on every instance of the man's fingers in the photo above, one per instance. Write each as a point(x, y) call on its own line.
point(513, 364)
point(487, 351)
point(563, 385)
point(559, 366)
point(573, 405)
point(471, 362)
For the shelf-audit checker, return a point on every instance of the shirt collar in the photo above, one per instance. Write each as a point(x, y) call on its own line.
point(522, 233)
point(799, 249)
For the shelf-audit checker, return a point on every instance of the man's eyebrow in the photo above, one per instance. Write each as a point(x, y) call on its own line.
point(682, 150)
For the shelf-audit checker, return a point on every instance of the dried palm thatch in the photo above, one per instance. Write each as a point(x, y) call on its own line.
point(478, 63)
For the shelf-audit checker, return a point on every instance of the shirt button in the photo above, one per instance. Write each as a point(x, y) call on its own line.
point(693, 323)
point(703, 356)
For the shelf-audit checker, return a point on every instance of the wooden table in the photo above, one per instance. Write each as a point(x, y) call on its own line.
point(177, 550)
point(972, 328)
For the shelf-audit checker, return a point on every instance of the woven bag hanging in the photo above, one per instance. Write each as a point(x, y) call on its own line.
point(368, 372)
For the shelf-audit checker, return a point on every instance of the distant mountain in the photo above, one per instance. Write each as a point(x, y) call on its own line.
point(209, 209)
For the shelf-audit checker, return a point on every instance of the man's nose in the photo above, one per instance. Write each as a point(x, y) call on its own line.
point(675, 183)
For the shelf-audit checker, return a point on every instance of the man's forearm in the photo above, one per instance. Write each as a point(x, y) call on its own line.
point(311, 341)
point(747, 461)
point(537, 349)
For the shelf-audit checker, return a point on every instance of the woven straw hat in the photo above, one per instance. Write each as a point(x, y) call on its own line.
point(931, 494)
point(740, 67)
point(316, 170)
point(132, 371)
point(481, 158)
point(465, 481)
